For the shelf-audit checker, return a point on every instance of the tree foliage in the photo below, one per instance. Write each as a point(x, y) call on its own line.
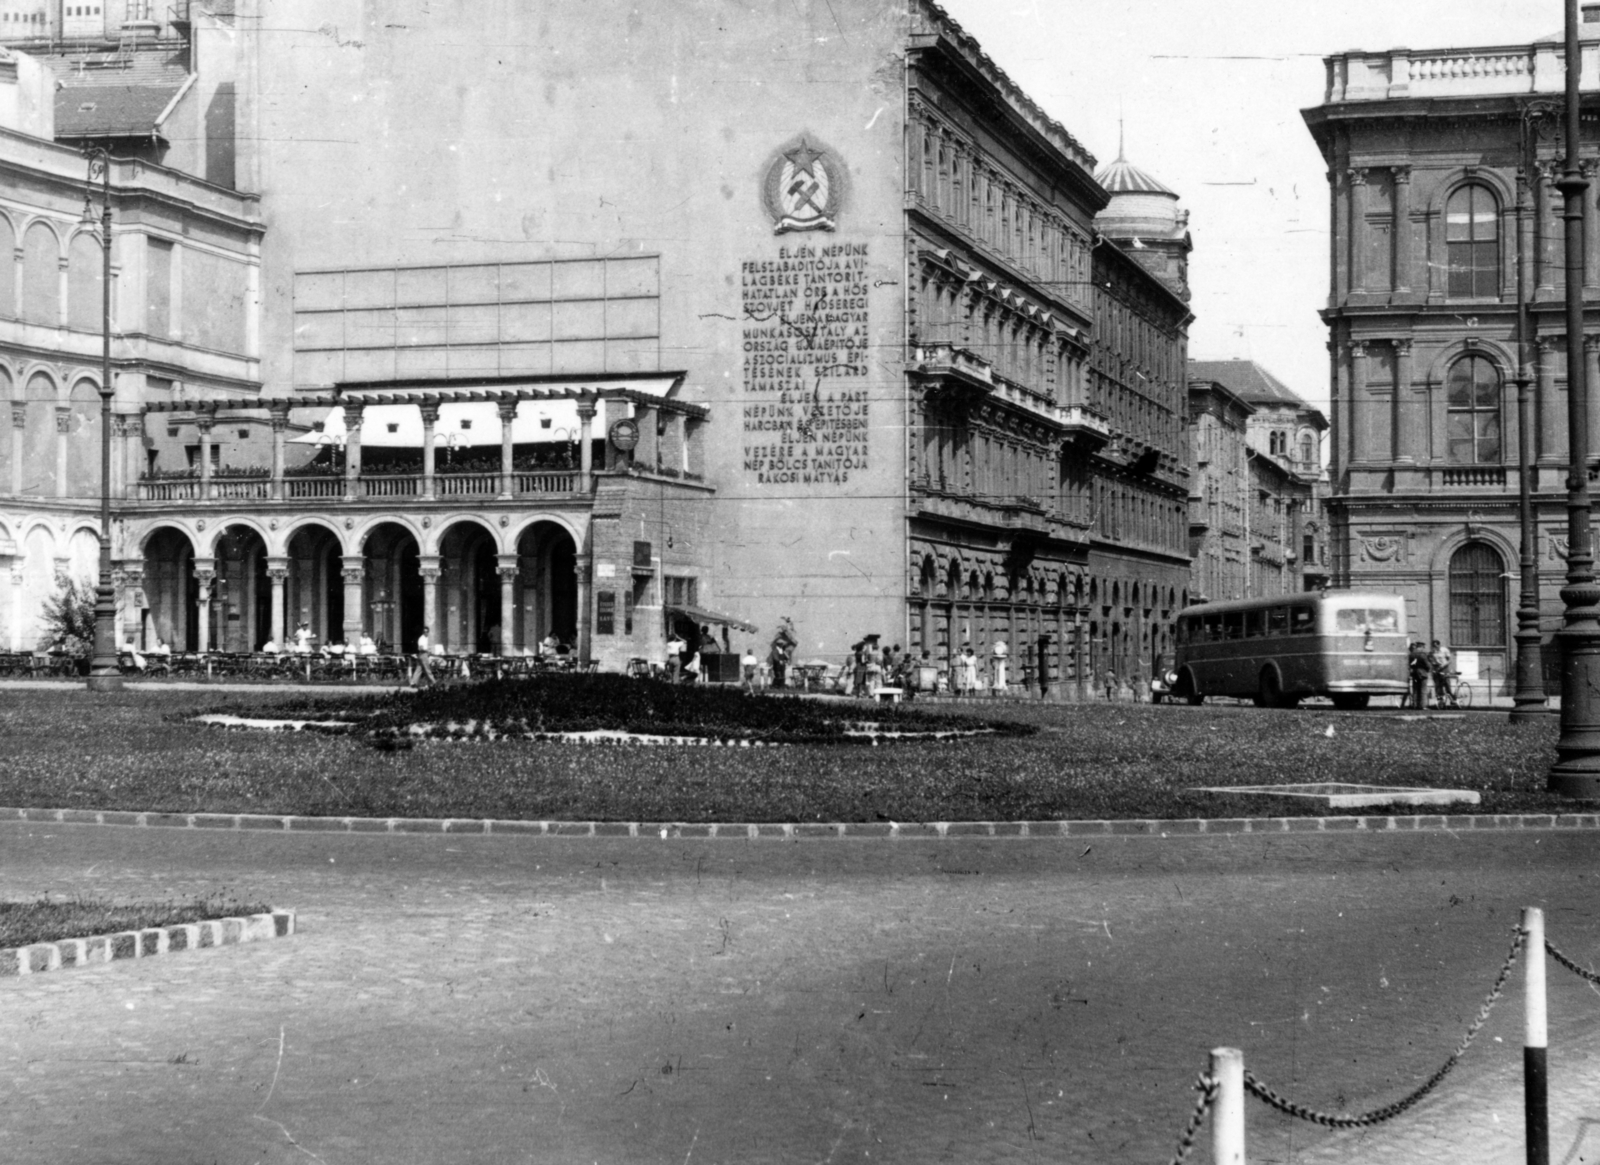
point(69, 616)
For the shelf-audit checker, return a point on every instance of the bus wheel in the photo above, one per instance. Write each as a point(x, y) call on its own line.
point(1270, 693)
point(1350, 701)
point(1184, 690)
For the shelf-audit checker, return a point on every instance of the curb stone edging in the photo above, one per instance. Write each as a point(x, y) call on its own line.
point(1141, 827)
point(36, 958)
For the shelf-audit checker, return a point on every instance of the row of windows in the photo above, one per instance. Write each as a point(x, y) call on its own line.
point(950, 176)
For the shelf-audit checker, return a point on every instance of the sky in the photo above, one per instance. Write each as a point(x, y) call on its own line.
point(1209, 95)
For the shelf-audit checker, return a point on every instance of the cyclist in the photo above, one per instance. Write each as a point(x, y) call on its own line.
point(1439, 664)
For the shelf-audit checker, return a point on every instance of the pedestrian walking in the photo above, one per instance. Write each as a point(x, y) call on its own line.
point(748, 665)
point(1111, 684)
point(422, 668)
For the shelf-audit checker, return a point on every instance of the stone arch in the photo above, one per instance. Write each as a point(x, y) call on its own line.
point(285, 536)
point(469, 598)
point(1453, 540)
point(443, 525)
point(39, 547)
point(8, 247)
point(209, 538)
point(1505, 196)
point(83, 437)
point(168, 550)
point(41, 274)
point(85, 280)
point(577, 531)
point(1498, 354)
point(356, 539)
point(544, 594)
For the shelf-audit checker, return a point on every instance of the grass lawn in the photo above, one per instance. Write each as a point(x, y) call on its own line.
point(49, 920)
point(134, 750)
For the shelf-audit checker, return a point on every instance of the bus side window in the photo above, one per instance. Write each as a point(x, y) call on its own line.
point(1302, 620)
point(1252, 624)
point(1213, 628)
point(1278, 621)
point(1233, 624)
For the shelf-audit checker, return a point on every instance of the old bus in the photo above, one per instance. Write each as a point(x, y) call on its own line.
point(1347, 645)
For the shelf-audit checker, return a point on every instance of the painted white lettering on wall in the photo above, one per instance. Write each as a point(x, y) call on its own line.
point(806, 334)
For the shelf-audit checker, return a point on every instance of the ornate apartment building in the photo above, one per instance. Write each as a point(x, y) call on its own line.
point(1424, 151)
point(857, 361)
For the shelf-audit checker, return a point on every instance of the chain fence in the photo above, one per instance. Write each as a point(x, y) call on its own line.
point(1389, 1111)
point(1206, 1085)
point(1569, 964)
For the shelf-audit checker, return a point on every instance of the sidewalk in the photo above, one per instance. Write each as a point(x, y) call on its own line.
point(639, 1000)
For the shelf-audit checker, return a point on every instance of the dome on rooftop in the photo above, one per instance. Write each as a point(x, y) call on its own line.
point(1123, 177)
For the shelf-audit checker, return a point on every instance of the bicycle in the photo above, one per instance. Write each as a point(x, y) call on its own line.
point(1457, 692)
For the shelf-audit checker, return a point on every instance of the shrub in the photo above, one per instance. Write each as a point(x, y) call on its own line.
point(69, 616)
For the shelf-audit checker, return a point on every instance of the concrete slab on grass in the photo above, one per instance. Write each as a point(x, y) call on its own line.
point(1340, 795)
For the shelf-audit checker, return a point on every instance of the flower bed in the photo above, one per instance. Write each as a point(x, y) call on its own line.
point(610, 709)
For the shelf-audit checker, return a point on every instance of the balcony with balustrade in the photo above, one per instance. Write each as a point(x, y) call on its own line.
point(1490, 70)
point(644, 435)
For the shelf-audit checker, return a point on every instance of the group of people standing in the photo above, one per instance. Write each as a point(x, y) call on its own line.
point(1425, 664)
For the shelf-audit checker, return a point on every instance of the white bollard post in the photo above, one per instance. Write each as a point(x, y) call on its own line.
point(1535, 1078)
point(1227, 1111)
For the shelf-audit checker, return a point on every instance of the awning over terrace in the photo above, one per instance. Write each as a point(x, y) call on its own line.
point(702, 615)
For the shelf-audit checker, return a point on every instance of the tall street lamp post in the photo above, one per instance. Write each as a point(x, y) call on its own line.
point(104, 673)
point(1576, 772)
point(1528, 700)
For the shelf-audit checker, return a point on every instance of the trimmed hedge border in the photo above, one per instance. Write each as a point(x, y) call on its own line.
point(1141, 827)
point(37, 958)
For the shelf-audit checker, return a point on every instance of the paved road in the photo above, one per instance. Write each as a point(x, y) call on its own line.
point(471, 999)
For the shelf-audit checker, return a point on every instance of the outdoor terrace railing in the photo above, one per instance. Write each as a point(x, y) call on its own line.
point(455, 485)
point(376, 485)
point(396, 485)
point(545, 482)
point(313, 487)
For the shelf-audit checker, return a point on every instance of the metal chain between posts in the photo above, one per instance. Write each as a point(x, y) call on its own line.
point(1389, 1111)
point(1569, 964)
point(1207, 1087)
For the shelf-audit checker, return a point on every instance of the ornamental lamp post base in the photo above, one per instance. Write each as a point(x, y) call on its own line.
point(105, 673)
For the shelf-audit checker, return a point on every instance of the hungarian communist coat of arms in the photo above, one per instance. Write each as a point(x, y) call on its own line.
point(804, 188)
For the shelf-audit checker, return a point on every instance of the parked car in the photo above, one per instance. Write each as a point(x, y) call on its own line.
point(1162, 679)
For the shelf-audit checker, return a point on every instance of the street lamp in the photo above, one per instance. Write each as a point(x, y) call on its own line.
point(104, 673)
point(1538, 117)
point(1576, 772)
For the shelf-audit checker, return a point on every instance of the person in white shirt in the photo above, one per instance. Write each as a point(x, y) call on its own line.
point(302, 639)
point(138, 660)
point(422, 667)
point(748, 665)
point(368, 647)
point(675, 650)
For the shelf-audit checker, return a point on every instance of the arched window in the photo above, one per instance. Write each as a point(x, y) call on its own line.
point(1472, 424)
point(1308, 449)
point(1472, 238)
point(1477, 597)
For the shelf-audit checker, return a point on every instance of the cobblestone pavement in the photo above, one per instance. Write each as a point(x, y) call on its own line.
point(481, 999)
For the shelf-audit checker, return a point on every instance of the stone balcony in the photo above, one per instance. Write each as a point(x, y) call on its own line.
point(1398, 74)
point(959, 369)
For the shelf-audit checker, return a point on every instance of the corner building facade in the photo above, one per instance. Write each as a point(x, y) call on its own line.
point(784, 313)
point(1425, 153)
